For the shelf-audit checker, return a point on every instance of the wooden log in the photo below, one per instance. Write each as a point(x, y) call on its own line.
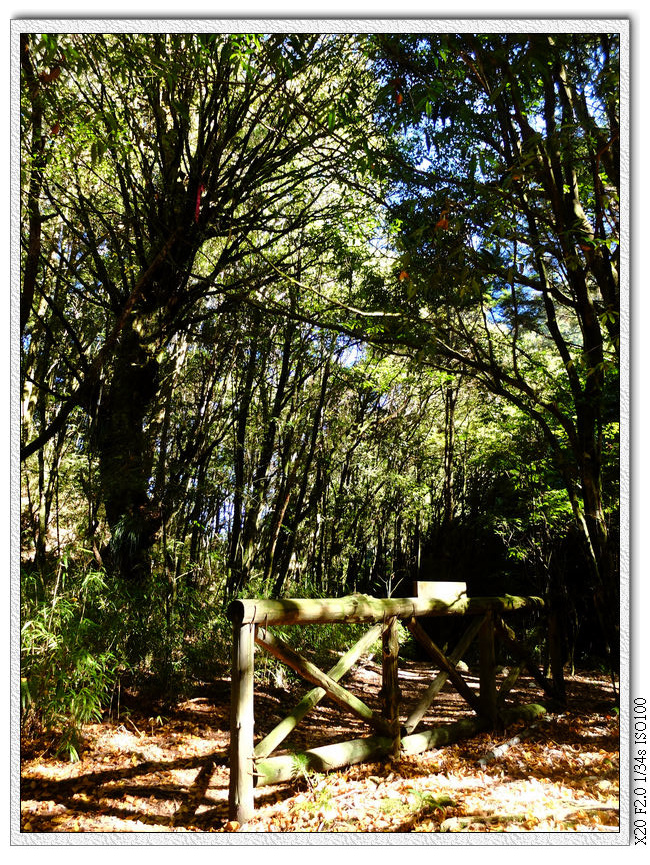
point(363, 608)
point(487, 671)
point(446, 734)
point(436, 686)
point(279, 733)
point(498, 751)
point(507, 637)
point(240, 793)
point(283, 652)
point(508, 683)
point(286, 767)
point(528, 712)
point(390, 681)
point(443, 664)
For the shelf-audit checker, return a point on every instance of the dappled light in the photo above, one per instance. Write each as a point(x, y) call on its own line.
point(144, 774)
point(319, 430)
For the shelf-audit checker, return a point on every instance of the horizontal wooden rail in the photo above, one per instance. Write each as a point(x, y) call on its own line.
point(252, 766)
point(364, 608)
point(286, 767)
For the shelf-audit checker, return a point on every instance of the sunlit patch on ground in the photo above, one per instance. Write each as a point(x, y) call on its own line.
point(169, 773)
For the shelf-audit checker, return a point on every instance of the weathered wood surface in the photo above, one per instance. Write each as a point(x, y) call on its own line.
point(470, 697)
point(240, 797)
point(286, 767)
point(364, 608)
point(436, 686)
point(250, 767)
point(509, 682)
point(487, 671)
point(390, 682)
point(283, 652)
point(279, 733)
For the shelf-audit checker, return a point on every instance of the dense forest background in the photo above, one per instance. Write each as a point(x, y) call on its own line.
point(305, 315)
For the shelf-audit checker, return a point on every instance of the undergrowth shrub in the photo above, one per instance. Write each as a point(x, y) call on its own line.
point(87, 637)
point(71, 653)
point(85, 632)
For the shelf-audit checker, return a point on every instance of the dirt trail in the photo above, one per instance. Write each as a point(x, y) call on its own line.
point(153, 772)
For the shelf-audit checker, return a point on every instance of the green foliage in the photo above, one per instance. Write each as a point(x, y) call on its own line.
point(306, 325)
point(417, 803)
point(70, 655)
point(84, 635)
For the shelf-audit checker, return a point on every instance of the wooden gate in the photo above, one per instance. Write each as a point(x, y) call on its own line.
point(252, 766)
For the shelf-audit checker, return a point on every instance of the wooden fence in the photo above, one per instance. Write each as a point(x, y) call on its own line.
point(253, 766)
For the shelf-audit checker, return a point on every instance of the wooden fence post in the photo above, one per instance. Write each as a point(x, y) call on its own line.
point(390, 681)
point(487, 671)
point(555, 648)
point(240, 795)
point(247, 615)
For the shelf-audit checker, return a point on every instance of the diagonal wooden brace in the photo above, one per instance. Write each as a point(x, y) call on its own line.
point(436, 686)
point(507, 637)
point(444, 664)
point(280, 732)
point(508, 683)
point(283, 652)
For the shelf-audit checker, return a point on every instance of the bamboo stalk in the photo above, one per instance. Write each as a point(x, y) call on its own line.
point(438, 657)
point(277, 735)
point(436, 686)
point(283, 652)
point(363, 608)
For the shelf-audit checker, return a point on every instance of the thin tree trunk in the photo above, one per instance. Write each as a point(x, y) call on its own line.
point(236, 576)
point(298, 513)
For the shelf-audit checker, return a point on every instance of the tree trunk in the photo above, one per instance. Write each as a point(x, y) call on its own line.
point(451, 395)
point(131, 515)
point(236, 576)
point(260, 480)
point(298, 512)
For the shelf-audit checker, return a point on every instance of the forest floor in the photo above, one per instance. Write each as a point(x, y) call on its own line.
point(156, 769)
